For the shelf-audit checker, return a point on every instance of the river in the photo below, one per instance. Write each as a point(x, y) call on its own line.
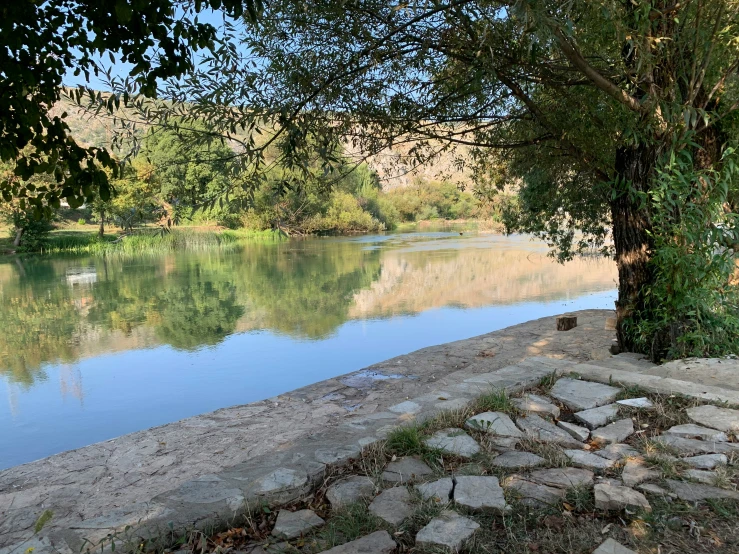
point(93, 348)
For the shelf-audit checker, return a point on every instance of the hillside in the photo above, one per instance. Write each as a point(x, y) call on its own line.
point(394, 166)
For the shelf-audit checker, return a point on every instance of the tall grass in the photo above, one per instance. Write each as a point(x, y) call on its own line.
point(153, 243)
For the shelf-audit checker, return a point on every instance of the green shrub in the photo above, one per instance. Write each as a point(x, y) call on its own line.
point(81, 221)
point(691, 308)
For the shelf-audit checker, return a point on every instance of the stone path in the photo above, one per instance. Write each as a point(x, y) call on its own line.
point(210, 468)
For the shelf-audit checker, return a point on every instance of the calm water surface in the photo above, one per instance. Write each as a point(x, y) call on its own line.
point(94, 348)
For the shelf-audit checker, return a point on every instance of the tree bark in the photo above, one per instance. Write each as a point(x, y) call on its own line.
point(101, 229)
point(18, 236)
point(631, 226)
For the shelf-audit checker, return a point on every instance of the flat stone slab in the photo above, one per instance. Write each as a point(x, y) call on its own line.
point(583, 395)
point(407, 407)
point(610, 546)
point(618, 451)
point(564, 477)
point(636, 472)
point(609, 497)
point(495, 423)
point(439, 491)
point(290, 525)
point(575, 431)
point(617, 431)
point(700, 475)
point(535, 404)
point(348, 491)
point(693, 492)
point(405, 470)
point(651, 488)
point(706, 461)
point(534, 494)
point(642, 402)
point(598, 417)
point(479, 493)
point(689, 447)
point(454, 441)
point(517, 459)
point(723, 419)
point(588, 460)
point(545, 431)
point(449, 530)
point(392, 505)
point(692, 431)
point(379, 542)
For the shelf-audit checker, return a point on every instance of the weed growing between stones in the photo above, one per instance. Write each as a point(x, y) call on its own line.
point(496, 400)
point(348, 524)
point(405, 441)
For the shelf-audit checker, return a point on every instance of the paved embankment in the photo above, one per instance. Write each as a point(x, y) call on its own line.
point(212, 466)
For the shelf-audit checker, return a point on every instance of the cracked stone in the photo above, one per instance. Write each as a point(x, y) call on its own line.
point(618, 451)
point(586, 459)
point(577, 432)
point(692, 431)
point(598, 417)
point(534, 494)
point(642, 402)
point(532, 403)
point(290, 525)
point(615, 432)
point(349, 491)
point(693, 492)
point(495, 423)
point(379, 542)
point(545, 431)
point(564, 477)
point(450, 530)
point(479, 493)
point(610, 546)
point(515, 459)
point(583, 395)
point(723, 419)
point(609, 497)
point(689, 447)
point(454, 441)
point(392, 505)
point(439, 491)
point(635, 472)
point(405, 470)
point(706, 461)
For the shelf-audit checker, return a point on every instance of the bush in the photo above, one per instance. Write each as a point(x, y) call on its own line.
point(81, 221)
point(691, 307)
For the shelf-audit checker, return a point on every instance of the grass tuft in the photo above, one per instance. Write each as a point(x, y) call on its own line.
point(405, 441)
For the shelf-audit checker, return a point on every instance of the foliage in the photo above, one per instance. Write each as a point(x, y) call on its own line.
point(577, 101)
point(694, 309)
point(41, 41)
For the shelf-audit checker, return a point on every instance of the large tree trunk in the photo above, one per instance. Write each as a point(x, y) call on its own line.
point(631, 225)
point(17, 239)
point(101, 229)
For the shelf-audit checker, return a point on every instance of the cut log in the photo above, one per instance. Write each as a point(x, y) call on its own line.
point(566, 322)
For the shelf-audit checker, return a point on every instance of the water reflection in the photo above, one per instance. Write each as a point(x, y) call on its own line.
point(61, 310)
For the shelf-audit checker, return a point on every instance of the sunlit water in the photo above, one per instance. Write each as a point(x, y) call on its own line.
point(94, 348)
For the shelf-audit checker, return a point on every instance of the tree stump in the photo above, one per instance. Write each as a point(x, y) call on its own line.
point(566, 322)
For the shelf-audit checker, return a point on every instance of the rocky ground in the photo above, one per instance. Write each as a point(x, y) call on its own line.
point(569, 466)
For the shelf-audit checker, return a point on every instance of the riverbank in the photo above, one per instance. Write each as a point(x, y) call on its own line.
point(151, 240)
point(200, 471)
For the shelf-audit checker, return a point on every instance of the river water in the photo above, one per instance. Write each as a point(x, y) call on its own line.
point(93, 348)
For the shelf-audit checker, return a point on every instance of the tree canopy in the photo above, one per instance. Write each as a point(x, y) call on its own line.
point(585, 102)
point(42, 41)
